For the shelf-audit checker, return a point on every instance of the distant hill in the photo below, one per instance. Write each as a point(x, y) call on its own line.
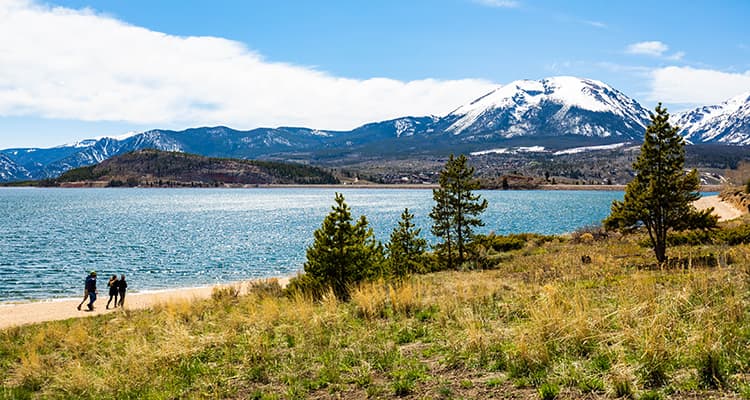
point(151, 167)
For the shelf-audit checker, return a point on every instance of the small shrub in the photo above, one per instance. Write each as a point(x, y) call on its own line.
point(503, 243)
point(523, 369)
point(266, 288)
point(653, 372)
point(650, 395)
point(495, 382)
point(622, 387)
point(224, 293)
point(306, 285)
point(711, 370)
point(403, 386)
point(601, 362)
point(586, 237)
point(445, 392)
point(592, 384)
point(745, 391)
point(735, 235)
point(690, 238)
point(588, 234)
point(370, 299)
point(426, 314)
point(406, 377)
point(549, 391)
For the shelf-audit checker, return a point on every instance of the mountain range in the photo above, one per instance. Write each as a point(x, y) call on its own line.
point(556, 114)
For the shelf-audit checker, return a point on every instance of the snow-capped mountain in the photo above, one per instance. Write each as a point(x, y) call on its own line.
point(37, 163)
point(10, 171)
point(728, 122)
point(552, 107)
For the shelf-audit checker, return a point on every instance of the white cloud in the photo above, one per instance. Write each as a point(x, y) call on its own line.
point(499, 3)
point(686, 85)
point(678, 56)
point(651, 48)
point(596, 24)
point(75, 64)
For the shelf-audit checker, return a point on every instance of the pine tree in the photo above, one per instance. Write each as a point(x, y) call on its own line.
point(661, 194)
point(457, 209)
point(343, 253)
point(405, 248)
point(442, 216)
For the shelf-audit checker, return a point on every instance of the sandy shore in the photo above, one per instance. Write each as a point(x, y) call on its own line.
point(54, 310)
point(725, 211)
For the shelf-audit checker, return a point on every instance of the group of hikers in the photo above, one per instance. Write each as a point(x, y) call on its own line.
point(117, 289)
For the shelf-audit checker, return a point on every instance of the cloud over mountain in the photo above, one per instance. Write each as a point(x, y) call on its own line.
point(694, 86)
point(77, 64)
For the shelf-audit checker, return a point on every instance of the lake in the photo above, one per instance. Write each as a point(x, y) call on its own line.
point(167, 238)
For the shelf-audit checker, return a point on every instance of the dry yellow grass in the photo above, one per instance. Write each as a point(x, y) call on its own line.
point(609, 327)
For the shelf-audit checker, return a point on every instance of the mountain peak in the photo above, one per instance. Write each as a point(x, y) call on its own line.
point(728, 122)
point(529, 107)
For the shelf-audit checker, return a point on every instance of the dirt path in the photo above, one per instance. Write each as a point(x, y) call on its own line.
point(723, 210)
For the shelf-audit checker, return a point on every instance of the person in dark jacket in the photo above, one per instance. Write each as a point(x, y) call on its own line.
point(113, 284)
point(91, 289)
point(85, 297)
point(122, 287)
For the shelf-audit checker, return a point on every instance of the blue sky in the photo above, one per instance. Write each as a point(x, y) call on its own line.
point(79, 69)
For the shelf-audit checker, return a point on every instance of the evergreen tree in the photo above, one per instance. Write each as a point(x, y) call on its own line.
point(661, 194)
point(456, 211)
point(442, 224)
point(343, 253)
point(405, 248)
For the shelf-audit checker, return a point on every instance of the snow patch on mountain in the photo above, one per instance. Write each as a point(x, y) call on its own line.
point(316, 132)
point(513, 150)
point(576, 150)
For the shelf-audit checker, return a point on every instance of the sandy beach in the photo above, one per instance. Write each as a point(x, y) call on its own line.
point(54, 310)
point(725, 211)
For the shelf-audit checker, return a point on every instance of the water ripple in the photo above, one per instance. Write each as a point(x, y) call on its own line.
point(162, 238)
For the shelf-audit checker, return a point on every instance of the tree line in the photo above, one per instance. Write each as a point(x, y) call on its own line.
point(345, 252)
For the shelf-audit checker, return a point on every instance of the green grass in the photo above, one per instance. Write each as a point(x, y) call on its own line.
point(541, 324)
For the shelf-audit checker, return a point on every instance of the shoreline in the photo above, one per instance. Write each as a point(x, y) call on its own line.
point(36, 311)
point(22, 312)
point(408, 186)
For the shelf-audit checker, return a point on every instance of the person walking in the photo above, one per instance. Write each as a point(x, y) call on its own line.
point(85, 297)
point(112, 284)
point(122, 287)
point(91, 288)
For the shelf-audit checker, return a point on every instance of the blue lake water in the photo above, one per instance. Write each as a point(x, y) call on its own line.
point(166, 238)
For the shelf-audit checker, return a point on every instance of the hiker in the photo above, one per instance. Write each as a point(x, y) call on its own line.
point(91, 288)
point(113, 285)
point(85, 296)
point(122, 286)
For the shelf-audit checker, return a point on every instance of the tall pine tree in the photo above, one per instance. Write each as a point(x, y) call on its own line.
point(343, 253)
point(405, 248)
point(456, 211)
point(660, 196)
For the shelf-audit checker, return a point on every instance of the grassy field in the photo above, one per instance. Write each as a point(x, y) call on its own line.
point(542, 324)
